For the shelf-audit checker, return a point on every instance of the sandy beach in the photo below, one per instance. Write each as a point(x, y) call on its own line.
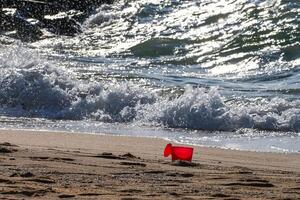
point(48, 165)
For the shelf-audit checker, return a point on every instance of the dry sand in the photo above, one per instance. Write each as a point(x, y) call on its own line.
point(45, 165)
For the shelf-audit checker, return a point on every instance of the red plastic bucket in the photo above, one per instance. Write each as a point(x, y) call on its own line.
point(179, 152)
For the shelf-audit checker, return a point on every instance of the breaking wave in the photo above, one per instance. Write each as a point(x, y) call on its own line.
point(31, 86)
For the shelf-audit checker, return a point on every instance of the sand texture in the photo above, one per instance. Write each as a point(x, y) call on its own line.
point(44, 165)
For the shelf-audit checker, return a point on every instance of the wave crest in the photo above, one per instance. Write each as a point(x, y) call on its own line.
point(36, 88)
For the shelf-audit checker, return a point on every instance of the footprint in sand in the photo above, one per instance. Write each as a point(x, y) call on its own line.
point(41, 180)
point(7, 181)
point(133, 164)
point(24, 175)
point(64, 196)
point(46, 158)
point(253, 184)
point(108, 155)
point(7, 144)
point(220, 195)
point(6, 147)
point(27, 193)
point(5, 150)
point(90, 194)
point(185, 175)
point(154, 172)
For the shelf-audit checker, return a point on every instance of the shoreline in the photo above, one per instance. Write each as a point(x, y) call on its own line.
point(58, 165)
point(146, 137)
point(22, 134)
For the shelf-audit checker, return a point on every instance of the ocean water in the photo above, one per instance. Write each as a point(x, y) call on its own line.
point(222, 73)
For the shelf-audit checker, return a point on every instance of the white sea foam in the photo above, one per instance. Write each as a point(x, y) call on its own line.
point(208, 110)
point(38, 88)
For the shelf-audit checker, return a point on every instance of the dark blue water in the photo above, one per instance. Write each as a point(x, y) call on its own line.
point(211, 72)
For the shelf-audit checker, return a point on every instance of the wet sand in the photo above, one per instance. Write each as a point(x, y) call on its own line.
point(47, 165)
